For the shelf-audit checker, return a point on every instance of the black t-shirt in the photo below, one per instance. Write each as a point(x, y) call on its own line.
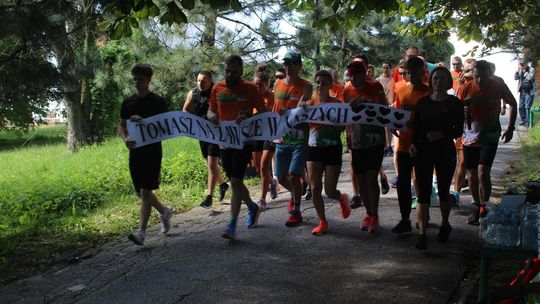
point(146, 106)
point(438, 116)
point(199, 102)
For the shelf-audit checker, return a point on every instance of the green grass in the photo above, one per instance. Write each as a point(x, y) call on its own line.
point(527, 167)
point(48, 135)
point(53, 201)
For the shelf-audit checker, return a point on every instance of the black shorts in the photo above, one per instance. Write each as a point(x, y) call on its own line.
point(482, 155)
point(269, 146)
point(367, 159)
point(258, 145)
point(208, 149)
point(145, 172)
point(235, 161)
point(328, 156)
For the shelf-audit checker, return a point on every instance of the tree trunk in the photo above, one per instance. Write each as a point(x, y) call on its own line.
point(78, 125)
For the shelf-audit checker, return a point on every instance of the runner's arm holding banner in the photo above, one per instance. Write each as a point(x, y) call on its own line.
point(266, 126)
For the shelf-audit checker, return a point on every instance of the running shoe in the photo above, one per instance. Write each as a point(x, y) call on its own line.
point(373, 224)
point(322, 228)
point(385, 187)
point(222, 191)
point(421, 243)
point(393, 182)
point(356, 202)
point(137, 237)
point(165, 220)
point(253, 217)
point(230, 232)
point(345, 207)
point(294, 219)
point(402, 226)
point(273, 189)
point(262, 205)
point(365, 222)
point(207, 202)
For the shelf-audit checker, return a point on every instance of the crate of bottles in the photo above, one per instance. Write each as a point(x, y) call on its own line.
point(511, 224)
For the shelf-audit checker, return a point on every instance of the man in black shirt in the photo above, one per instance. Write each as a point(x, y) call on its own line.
point(145, 161)
point(197, 103)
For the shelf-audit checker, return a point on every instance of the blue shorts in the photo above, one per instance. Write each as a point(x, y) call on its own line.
point(290, 159)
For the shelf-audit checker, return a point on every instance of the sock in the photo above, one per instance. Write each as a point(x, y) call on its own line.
point(297, 208)
point(232, 223)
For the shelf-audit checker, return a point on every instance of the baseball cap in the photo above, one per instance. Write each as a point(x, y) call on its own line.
point(292, 57)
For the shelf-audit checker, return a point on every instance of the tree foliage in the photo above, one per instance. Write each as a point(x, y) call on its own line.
point(506, 24)
point(377, 37)
point(27, 78)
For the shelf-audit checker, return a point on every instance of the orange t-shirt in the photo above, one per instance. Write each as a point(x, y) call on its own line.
point(398, 85)
point(366, 136)
point(459, 94)
point(337, 90)
point(288, 95)
point(455, 81)
point(229, 102)
point(406, 99)
point(485, 107)
point(268, 102)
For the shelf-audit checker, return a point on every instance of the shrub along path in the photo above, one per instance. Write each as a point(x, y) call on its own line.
point(272, 263)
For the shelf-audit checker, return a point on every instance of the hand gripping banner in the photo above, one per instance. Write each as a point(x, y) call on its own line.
point(265, 126)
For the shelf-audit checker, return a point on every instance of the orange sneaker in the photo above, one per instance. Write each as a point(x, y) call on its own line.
point(294, 220)
point(373, 224)
point(345, 207)
point(322, 228)
point(365, 222)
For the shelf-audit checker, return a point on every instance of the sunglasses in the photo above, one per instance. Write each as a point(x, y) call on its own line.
point(402, 73)
point(280, 76)
point(456, 63)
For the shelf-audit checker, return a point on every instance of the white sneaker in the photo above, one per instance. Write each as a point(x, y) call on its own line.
point(165, 219)
point(137, 237)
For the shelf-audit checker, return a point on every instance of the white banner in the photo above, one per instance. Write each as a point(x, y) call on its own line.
point(266, 126)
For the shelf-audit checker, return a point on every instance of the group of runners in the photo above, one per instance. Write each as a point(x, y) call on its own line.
point(454, 124)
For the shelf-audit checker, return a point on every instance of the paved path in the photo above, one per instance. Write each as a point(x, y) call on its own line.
point(272, 263)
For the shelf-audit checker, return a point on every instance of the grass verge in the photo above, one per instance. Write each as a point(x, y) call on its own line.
point(53, 202)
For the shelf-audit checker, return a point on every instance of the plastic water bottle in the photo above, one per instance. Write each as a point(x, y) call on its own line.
point(529, 228)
